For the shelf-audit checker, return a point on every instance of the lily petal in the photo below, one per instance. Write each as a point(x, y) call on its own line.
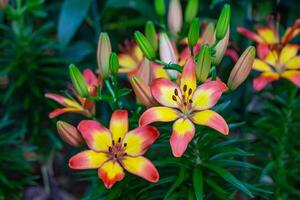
point(163, 91)
point(158, 71)
point(262, 50)
point(90, 78)
point(63, 100)
point(268, 34)
point(140, 139)
point(183, 133)
point(60, 111)
point(188, 77)
point(118, 124)
point(288, 52)
point(158, 114)
point(127, 63)
point(260, 65)
point(260, 82)
point(293, 76)
point(251, 35)
point(294, 63)
point(211, 119)
point(208, 94)
point(97, 137)
point(142, 167)
point(272, 58)
point(88, 159)
point(111, 172)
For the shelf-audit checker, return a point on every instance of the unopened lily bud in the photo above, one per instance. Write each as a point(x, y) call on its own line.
point(145, 45)
point(103, 54)
point(191, 10)
point(114, 63)
point(160, 8)
point(194, 31)
point(220, 49)
point(142, 92)
point(151, 34)
point(242, 68)
point(69, 134)
point(175, 17)
point(78, 81)
point(3, 4)
point(223, 22)
point(203, 63)
point(167, 53)
point(208, 36)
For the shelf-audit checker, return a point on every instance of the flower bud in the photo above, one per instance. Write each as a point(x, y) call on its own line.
point(167, 53)
point(160, 7)
point(203, 63)
point(223, 22)
point(208, 36)
point(151, 35)
point(242, 68)
point(78, 81)
point(175, 17)
point(191, 10)
point(69, 134)
point(220, 49)
point(194, 31)
point(103, 55)
point(145, 45)
point(142, 92)
point(114, 63)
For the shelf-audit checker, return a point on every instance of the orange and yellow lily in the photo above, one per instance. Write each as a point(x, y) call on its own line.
point(115, 149)
point(81, 105)
point(187, 104)
point(284, 63)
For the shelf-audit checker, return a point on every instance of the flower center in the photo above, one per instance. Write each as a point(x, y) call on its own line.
point(117, 150)
point(184, 102)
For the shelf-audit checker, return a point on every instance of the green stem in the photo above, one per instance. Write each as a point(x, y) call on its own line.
point(213, 72)
point(110, 89)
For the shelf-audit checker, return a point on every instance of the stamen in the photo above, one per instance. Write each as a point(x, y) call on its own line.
point(176, 92)
point(125, 154)
point(184, 88)
point(174, 98)
point(184, 103)
point(190, 101)
point(125, 144)
point(190, 91)
point(116, 156)
point(113, 142)
point(119, 140)
point(109, 149)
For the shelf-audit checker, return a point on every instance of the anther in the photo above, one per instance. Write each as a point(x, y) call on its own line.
point(113, 142)
point(109, 149)
point(184, 103)
point(184, 88)
point(190, 91)
point(116, 156)
point(119, 140)
point(174, 98)
point(190, 101)
point(176, 92)
point(125, 154)
point(125, 144)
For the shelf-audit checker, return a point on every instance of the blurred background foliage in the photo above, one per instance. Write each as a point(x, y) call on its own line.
point(40, 38)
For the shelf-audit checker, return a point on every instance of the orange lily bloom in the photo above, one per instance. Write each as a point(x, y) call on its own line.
point(81, 105)
point(187, 104)
point(284, 63)
point(115, 149)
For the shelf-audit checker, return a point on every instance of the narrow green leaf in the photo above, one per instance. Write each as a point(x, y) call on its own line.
point(198, 183)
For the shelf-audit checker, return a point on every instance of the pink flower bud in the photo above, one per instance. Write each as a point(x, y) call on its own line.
point(175, 17)
point(103, 55)
point(69, 134)
point(221, 48)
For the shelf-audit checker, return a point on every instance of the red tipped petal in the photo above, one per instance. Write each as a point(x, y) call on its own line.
point(87, 160)
point(119, 124)
point(249, 34)
point(293, 76)
point(265, 78)
point(111, 172)
point(188, 76)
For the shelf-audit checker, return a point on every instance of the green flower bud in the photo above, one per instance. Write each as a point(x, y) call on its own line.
point(151, 35)
point(194, 31)
point(203, 63)
point(103, 54)
point(114, 63)
point(145, 45)
point(223, 22)
point(78, 81)
point(191, 10)
point(160, 7)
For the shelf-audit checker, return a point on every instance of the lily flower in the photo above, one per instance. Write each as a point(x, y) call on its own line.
point(188, 105)
point(268, 37)
point(285, 64)
point(81, 105)
point(115, 149)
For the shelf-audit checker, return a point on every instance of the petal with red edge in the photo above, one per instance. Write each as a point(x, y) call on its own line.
point(142, 167)
point(163, 90)
point(183, 133)
point(211, 119)
point(268, 34)
point(140, 139)
point(63, 100)
point(127, 63)
point(137, 53)
point(293, 76)
point(111, 172)
point(260, 65)
point(88, 159)
point(262, 50)
point(97, 137)
point(60, 111)
point(158, 71)
point(208, 94)
point(118, 124)
point(294, 63)
point(158, 114)
point(251, 35)
point(90, 78)
point(188, 77)
point(272, 58)
point(260, 82)
point(288, 52)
